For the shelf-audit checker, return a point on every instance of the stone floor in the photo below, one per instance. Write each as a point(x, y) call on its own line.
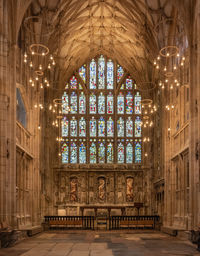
point(91, 243)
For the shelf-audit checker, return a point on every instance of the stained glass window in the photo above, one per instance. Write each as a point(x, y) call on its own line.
point(138, 127)
point(101, 127)
point(120, 153)
point(73, 153)
point(120, 127)
point(129, 127)
point(93, 107)
point(129, 84)
point(101, 104)
point(73, 102)
point(93, 152)
point(110, 109)
point(120, 103)
point(93, 127)
point(138, 108)
point(92, 111)
point(73, 82)
point(110, 127)
point(129, 103)
point(101, 153)
point(82, 154)
point(65, 103)
point(110, 153)
point(120, 73)
point(101, 72)
point(129, 153)
point(82, 73)
point(138, 152)
point(110, 73)
point(65, 153)
point(73, 127)
point(93, 74)
point(82, 103)
point(65, 127)
point(82, 127)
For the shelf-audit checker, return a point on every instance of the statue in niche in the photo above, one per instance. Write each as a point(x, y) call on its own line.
point(129, 189)
point(73, 189)
point(102, 188)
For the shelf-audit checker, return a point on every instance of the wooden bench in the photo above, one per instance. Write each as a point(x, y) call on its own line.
point(136, 223)
point(65, 223)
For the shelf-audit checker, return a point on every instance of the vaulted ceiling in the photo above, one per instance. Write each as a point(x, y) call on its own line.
point(124, 30)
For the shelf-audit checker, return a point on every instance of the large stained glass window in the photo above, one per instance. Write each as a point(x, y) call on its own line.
point(101, 109)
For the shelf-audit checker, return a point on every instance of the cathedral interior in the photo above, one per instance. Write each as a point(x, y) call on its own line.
point(100, 114)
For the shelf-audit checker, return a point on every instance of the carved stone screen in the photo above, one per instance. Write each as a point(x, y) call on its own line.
point(101, 109)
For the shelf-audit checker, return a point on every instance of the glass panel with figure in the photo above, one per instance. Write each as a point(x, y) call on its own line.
point(120, 73)
point(110, 127)
point(101, 153)
point(120, 153)
point(101, 72)
point(82, 103)
point(120, 127)
point(73, 153)
point(120, 103)
point(129, 84)
point(93, 107)
point(138, 107)
point(129, 127)
point(110, 109)
point(93, 152)
point(73, 127)
point(65, 153)
point(110, 153)
point(129, 153)
point(93, 75)
point(129, 103)
point(65, 127)
point(73, 82)
point(93, 127)
point(101, 127)
point(82, 73)
point(82, 127)
point(65, 103)
point(110, 74)
point(82, 154)
point(138, 152)
point(101, 104)
point(138, 127)
point(73, 102)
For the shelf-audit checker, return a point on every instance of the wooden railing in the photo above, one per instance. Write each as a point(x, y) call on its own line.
point(70, 222)
point(132, 222)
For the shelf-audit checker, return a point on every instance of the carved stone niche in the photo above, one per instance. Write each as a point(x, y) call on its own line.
point(129, 189)
point(101, 189)
point(74, 189)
